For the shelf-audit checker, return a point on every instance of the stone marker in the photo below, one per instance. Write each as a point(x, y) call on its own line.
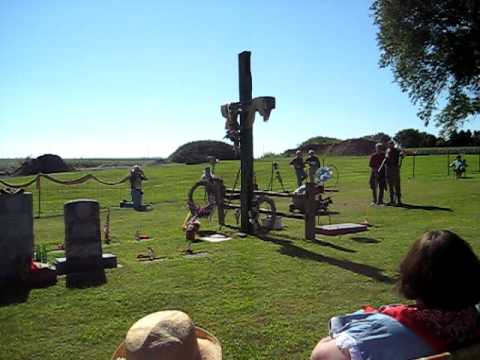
point(340, 229)
point(83, 243)
point(16, 235)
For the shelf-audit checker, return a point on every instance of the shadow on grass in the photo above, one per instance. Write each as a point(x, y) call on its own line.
point(365, 240)
point(333, 246)
point(424, 207)
point(13, 295)
point(289, 249)
point(82, 280)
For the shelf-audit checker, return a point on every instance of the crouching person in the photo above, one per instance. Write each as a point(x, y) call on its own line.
point(440, 273)
point(136, 177)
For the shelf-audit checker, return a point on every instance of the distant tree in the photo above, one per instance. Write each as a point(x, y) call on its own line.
point(408, 138)
point(378, 137)
point(476, 138)
point(428, 140)
point(433, 49)
point(415, 138)
point(461, 138)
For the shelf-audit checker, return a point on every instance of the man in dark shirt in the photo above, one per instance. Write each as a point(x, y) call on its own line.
point(312, 161)
point(393, 158)
point(377, 175)
point(299, 167)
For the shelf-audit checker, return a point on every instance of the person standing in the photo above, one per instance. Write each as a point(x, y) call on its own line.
point(299, 167)
point(392, 163)
point(377, 174)
point(459, 166)
point(312, 161)
point(136, 177)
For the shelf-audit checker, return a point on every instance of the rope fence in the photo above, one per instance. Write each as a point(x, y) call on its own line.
point(50, 193)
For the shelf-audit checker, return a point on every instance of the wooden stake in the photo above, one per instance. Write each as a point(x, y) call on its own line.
point(246, 141)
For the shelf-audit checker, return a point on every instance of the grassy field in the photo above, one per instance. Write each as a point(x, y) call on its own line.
point(264, 299)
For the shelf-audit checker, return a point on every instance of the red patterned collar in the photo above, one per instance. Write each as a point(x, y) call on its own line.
point(443, 330)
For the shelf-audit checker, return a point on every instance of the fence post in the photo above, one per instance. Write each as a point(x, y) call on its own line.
point(39, 190)
point(413, 169)
point(448, 162)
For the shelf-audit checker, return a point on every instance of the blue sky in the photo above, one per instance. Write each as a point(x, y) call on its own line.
point(107, 78)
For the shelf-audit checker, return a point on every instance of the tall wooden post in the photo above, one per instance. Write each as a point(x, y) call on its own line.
point(246, 141)
point(310, 208)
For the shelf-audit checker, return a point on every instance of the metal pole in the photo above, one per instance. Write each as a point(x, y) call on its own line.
point(39, 189)
point(246, 141)
point(413, 170)
point(448, 162)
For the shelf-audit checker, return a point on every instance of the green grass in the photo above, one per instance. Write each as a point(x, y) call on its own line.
point(264, 299)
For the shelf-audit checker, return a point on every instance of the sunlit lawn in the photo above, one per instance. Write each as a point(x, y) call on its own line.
point(264, 299)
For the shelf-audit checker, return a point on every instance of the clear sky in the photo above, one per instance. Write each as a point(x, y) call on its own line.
point(118, 78)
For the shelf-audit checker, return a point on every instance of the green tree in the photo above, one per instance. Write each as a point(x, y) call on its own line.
point(414, 138)
point(433, 49)
point(409, 138)
point(378, 137)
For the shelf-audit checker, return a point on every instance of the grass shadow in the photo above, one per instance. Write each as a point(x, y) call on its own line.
point(10, 295)
point(82, 280)
point(333, 246)
point(365, 240)
point(289, 249)
point(424, 207)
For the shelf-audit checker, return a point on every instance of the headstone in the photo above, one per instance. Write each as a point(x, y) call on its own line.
point(83, 242)
point(16, 235)
point(340, 229)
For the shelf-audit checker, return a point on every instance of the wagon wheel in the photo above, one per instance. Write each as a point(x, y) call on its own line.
point(199, 205)
point(263, 222)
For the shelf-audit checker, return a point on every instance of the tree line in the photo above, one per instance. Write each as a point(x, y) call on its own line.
point(413, 138)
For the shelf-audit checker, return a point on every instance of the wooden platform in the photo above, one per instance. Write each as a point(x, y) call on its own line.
point(340, 229)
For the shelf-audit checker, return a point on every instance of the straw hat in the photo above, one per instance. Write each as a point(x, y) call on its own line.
point(168, 335)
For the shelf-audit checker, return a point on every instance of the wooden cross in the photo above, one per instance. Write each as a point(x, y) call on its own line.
point(242, 133)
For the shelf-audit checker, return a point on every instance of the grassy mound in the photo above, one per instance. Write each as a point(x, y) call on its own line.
point(48, 163)
point(196, 152)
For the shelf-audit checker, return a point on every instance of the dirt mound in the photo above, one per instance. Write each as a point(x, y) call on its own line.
point(46, 164)
point(318, 148)
point(353, 147)
point(196, 152)
point(350, 147)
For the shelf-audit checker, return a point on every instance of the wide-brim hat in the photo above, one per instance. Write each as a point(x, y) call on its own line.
point(209, 347)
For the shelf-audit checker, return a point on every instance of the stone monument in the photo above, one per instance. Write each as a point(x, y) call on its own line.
point(16, 235)
point(83, 243)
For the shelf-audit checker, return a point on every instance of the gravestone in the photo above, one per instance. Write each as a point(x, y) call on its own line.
point(83, 242)
point(16, 235)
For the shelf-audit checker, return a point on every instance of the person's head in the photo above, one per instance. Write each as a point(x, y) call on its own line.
point(311, 152)
point(168, 334)
point(379, 148)
point(459, 157)
point(298, 153)
point(391, 144)
point(440, 271)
